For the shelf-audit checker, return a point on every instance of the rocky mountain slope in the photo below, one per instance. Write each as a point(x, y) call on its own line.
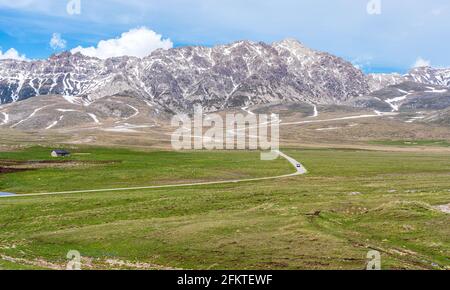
point(405, 97)
point(380, 81)
point(424, 91)
point(241, 74)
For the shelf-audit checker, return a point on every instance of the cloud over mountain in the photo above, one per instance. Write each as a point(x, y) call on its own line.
point(12, 54)
point(56, 42)
point(138, 42)
point(420, 62)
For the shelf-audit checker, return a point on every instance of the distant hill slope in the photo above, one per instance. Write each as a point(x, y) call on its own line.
point(422, 75)
point(404, 97)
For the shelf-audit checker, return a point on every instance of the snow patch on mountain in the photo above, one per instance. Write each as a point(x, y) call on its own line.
point(434, 90)
point(94, 118)
point(5, 118)
point(55, 123)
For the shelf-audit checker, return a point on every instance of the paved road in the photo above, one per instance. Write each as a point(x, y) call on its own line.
point(298, 166)
point(299, 170)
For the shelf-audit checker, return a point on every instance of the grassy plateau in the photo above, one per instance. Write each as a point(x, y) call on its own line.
point(350, 202)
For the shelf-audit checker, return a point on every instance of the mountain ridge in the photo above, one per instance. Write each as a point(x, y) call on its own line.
point(424, 75)
point(243, 73)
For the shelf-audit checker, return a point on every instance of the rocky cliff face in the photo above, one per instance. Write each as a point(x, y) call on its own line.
point(241, 74)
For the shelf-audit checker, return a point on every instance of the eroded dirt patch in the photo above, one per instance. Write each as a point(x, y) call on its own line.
point(444, 208)
point(5, 170)
point(12, 166)
point(88, 263)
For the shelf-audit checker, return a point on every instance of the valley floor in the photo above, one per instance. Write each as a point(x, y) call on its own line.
point(351, 201)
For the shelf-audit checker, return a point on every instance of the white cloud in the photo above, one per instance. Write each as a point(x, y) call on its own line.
point(12, 54)
point(436, 11)
point(57, 42)
point(420, 62)
point(138, 42)
point(362, 62)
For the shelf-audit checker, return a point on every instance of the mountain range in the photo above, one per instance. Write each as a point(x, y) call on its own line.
point(238, 75)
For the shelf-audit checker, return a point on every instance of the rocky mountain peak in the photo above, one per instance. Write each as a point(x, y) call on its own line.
point(296, 48)
point(61, 55)
point(291, 43)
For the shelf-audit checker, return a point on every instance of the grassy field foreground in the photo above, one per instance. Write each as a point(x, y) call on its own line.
point(350, 202)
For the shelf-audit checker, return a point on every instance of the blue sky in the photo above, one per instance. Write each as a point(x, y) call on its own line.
point(404, 32)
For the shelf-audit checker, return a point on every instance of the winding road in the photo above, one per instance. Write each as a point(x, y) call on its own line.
point(299, 170)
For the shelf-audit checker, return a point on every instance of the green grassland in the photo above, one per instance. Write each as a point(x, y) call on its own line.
point(409, 143)
point(98, 168)
point(351, 201)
